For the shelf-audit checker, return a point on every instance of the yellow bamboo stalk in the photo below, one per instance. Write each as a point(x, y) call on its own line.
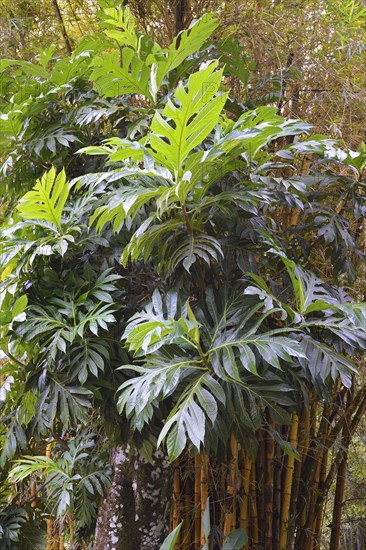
point(244, 510)
point(303, 446)
point(287, 486)
point(48, 450)
point(197, 501)
point(33, 492)
point(294, 216)
point(234, 475)
point(254, 533)
point(306, 436)
point(56, 539)
point(71, 529)
point(49, 525)
point(204, 493)
point(221, 486)
point(230, 517)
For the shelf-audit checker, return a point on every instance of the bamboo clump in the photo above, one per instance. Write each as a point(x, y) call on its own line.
point(278, 498)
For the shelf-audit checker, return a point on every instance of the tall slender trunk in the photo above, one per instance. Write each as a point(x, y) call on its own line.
point(62, 25)
point(182, 14)
point(320, 512)
point(303, 445)
point(338, 504)
point(340, 485)
point(287, 486)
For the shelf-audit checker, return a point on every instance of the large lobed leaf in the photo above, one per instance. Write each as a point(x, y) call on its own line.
point(187, 119)
point(116, 75)
point(46, 201)
point(187, 420)
point(187, 43)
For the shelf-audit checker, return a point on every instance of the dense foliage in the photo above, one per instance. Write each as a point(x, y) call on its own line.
point(163, 280)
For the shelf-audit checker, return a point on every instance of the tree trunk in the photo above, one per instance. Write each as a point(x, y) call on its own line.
point(62, 25)
point(182, 14)
point(134, 512)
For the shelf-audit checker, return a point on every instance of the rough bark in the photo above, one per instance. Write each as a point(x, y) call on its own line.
point(182, 14)
point(134, 511)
